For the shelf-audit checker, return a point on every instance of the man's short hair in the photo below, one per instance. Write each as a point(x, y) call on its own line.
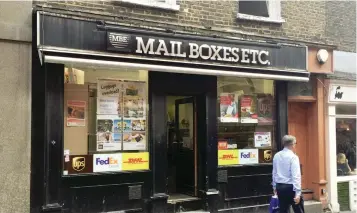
point(288, 140)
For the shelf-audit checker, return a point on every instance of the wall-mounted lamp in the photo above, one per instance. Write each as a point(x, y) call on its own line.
point(322, 56)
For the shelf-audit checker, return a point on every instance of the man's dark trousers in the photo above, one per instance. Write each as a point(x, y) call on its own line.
point(286, 197)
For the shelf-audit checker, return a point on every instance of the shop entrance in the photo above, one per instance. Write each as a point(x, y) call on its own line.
point(181, 147)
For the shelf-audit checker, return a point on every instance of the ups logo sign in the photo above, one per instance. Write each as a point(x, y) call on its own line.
point(266, 156)
point(78, 163)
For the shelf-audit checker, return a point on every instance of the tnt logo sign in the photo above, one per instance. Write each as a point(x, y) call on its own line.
point(248, 156)
point(107, 162)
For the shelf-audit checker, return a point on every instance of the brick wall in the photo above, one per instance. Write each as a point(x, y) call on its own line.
point(341, 24)
point(304, 20)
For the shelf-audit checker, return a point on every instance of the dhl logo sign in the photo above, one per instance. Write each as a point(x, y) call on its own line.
point(227, 157)
point(135, 161)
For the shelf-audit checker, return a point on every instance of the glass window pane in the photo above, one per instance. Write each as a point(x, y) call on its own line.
point(346, 146)
point(105, 120)
point(246, 121)
point(345, 109)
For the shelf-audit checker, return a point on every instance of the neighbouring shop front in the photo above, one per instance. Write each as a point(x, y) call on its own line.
point(341, 133)
point(137, 120)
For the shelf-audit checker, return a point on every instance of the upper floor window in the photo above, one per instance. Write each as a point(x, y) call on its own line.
point(163, 4)
point(268, 10)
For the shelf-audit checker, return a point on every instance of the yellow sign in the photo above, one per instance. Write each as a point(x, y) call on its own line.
point(135, 161)
point(227, 157)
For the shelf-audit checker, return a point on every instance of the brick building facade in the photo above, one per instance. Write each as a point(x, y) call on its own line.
point(312, 24)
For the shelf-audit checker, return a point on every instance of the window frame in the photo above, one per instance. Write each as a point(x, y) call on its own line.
point(167, 5)
point(274, 10)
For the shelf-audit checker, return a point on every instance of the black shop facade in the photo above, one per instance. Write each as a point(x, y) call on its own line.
point(126, 119)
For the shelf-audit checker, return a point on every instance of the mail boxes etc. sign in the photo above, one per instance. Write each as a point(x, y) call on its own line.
point(115, 162)
point(154, 46)
point(244, 156)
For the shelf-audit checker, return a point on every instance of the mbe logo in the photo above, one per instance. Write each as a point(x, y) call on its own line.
point(338, 93)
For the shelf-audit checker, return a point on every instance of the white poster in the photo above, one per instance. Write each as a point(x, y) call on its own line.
point(108, 106)
point(248, 156)
point(262, 139)
point(107, 88)
point(107, 162)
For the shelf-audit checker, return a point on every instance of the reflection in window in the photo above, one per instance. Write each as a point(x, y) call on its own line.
point(245, 123)
point(346, 146)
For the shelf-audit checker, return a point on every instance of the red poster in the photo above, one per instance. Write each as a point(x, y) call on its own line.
point(248, 108)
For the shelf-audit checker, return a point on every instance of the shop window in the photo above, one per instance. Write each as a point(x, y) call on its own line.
point(246, 121)
point(163, 4)
point(346, 146)
point(268, 10)
point(105, 120)
point(345, 109)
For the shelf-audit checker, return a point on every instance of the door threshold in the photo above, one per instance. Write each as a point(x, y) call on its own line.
point(178, 198)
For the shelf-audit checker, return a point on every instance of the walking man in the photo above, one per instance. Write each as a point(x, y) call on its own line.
point(287, 176)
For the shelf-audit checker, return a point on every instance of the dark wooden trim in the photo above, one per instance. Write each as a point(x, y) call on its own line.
point(301, 99)
point(54, 131)
point(281, 111)
point(37, 192)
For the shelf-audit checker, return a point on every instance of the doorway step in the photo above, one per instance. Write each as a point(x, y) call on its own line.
point(184, 203)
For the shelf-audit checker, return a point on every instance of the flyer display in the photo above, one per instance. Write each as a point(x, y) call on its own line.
point(76, 111)
point(121, 115)
point(265, 109)
point(248, 108)
point(262, 139)
point(229, 107)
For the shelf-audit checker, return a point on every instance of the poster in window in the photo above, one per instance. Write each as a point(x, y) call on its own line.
point(108, 88)
point(76, 111)
point(248, 108)
point(229, 107)
point(108, 106)
point(265, 109)
point(134, 96)
point(108, 135)
point(134, 140)
point(262, 139)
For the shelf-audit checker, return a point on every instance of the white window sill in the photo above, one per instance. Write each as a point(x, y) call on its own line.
point(259, 18)
point(341, 179)
point(173, 7)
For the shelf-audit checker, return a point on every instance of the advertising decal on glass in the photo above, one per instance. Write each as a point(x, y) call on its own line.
point(107, 162)
point(228, 157)
point(265, 109)
point(229, 107)
point(248, 108)
point(108, 136)
point(121, 115)
point(248, 156)
point(262, 139)
point(76, 111)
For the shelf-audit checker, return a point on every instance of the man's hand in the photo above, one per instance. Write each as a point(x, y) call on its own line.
point(297, 200)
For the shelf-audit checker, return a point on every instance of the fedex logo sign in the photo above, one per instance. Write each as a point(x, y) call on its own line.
point(248, 156)
point(107, 162)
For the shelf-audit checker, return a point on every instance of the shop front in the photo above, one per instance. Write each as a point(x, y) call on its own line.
point(127, 119)
point(341, 134)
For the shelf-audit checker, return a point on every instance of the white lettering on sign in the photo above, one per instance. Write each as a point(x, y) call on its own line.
point(192, 50)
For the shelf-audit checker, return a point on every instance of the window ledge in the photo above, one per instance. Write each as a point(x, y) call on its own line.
point(259, 18)
point(165, 6)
